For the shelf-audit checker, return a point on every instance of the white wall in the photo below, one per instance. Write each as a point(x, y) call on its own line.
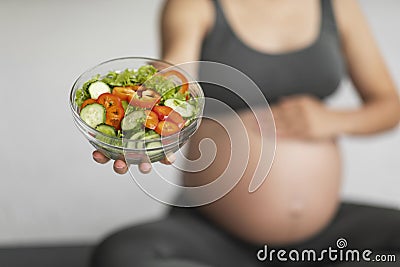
point(50, 189)
point(372, 164)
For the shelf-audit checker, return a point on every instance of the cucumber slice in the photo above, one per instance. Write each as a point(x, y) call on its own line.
point(133, 120)
point(152, 145)
point(106, 129)
point(152, 136)
point(98, 88)
point(93, 114)
point(182, 107)
point(137, 136)
point(138, 143)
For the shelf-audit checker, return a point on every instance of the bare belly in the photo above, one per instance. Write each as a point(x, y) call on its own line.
point(298, 198)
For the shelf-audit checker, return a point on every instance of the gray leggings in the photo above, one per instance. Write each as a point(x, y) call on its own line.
point(185, 238)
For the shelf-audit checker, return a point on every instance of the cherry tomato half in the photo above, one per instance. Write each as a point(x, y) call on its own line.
point(176, 118)
point(162, 112)
point(151, 120)
point(125, 93)
point(114, 115)
point(180, 76)
point(133, 87)
point(146, 98)
point(108, 100)
point(168, 114)
point(166, 128)
point(88, 102)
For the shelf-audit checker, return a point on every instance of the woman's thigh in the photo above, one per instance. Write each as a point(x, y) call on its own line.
point(362, 226)
point(187, 239)
point(358, 228)
point(181, 239)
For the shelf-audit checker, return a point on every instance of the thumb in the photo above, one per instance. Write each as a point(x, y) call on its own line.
point(145, 167)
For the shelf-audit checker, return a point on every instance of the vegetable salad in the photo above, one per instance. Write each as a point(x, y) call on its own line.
point(137, 104)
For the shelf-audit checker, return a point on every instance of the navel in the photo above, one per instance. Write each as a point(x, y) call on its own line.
point(297, 207)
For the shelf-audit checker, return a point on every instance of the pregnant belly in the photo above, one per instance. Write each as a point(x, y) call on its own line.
point(298, 198)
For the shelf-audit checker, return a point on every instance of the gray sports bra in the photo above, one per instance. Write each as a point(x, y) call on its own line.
point(316, 69)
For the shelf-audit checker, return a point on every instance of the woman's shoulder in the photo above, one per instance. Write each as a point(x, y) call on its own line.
point(347, 14)
point(189, 14)
point(198, 11)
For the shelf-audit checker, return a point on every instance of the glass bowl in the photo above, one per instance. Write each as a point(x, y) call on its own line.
point(135, 151)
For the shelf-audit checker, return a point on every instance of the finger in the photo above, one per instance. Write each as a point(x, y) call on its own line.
point(282, 133)
point(287, 100)
point(120, 166)
point(145, 167)
point(287, 122)
point(292, 101)
point(99, 157)
point(169, 159)
point(276, 113)
point(283, 130)
point(290, 104)
point(279, 120)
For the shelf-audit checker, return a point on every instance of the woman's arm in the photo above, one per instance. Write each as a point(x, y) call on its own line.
point(183, 27)
point(381, 102)
point(306, 117)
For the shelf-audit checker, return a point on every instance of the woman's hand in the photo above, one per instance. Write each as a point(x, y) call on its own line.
point(303, 117)
point(121, 167)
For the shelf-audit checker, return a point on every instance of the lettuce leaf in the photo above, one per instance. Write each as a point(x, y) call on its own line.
point(144, 73)
point(83, 93)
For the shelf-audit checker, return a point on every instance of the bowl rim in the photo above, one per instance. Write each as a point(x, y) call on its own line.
point(175, 136)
